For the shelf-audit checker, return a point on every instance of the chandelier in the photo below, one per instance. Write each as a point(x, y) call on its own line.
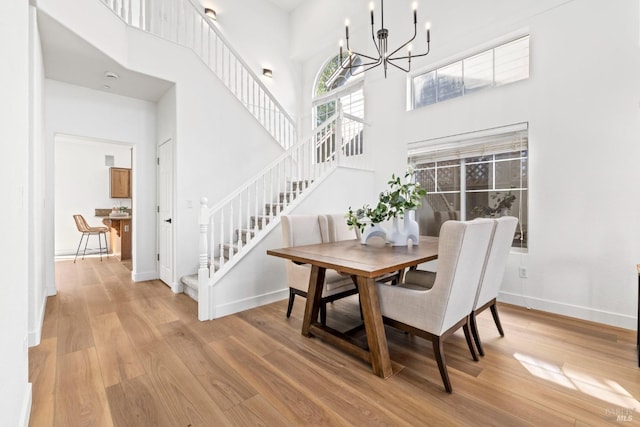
point(384, 57)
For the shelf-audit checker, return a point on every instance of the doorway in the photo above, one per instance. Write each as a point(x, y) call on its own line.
point(82, 186)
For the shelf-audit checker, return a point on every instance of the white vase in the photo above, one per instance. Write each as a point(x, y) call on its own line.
point(411, 227)
point(398, 237)
point(373, 230)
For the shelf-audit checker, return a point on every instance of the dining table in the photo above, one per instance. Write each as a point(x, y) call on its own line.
point(364, 263)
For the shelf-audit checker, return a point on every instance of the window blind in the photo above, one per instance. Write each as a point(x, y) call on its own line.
point(473, 144)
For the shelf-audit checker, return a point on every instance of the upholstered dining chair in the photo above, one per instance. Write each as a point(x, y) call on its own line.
point(495, 265)
point(334, 228)
point(86, 230)
point(435, 313)
point(300, 230)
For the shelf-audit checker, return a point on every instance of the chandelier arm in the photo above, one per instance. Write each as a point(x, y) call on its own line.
point(415, 56)
point(365, 56)
point(399, 67)
point(373, 38)
point(366, 69)
point(415, 32)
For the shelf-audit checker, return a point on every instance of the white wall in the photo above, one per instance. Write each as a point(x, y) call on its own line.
point(38, 284)
point(82, 185)
point(15, 391)
point(214, 135)
point(581, 104)
point(260, 279)
point(72, 110)
point(259, 32)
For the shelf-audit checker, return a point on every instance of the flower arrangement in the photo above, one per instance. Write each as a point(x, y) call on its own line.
point(391, 204)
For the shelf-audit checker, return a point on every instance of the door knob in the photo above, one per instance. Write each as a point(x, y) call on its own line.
point(168, 220)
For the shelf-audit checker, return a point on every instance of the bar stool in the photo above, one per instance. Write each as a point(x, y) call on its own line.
point(84, 228)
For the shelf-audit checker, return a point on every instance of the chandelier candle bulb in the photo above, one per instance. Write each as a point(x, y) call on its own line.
point(360, 62)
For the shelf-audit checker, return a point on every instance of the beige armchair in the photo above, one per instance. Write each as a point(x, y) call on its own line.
point(300, 230)
point(435, 313)
point(495, 265)
point(493, 273)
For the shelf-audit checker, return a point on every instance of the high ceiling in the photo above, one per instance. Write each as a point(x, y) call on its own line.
point(70, 59)
point(287, 5)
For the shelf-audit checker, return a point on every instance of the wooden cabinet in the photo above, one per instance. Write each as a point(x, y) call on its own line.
point(120, 183)
point(120, 241)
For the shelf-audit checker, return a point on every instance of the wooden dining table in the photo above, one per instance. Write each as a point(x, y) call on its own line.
point(364, 263)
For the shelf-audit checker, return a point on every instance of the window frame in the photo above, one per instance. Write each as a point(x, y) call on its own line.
point(496, 45)
point(432, 157)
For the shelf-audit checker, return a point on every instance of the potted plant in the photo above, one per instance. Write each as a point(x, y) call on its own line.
point(392, 204)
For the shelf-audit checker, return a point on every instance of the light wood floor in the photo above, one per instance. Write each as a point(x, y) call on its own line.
point(117, 353)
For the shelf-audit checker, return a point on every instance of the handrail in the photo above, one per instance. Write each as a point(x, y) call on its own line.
point(184, 22)
point(273, 164)
point(198, 9)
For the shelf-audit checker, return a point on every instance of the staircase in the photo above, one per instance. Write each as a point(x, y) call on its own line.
point(243, 236)
point(184, 22)
point(234, 225)
point(230, 228)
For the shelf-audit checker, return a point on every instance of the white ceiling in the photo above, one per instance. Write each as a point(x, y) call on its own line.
point(70, 59)
point(287, 5)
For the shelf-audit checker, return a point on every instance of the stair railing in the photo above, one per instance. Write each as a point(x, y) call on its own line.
point(239, 217)
point(236, 223)
point(184, 22)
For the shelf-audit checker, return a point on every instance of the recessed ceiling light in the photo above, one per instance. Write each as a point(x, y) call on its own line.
point(111, 75)
point(106, 87)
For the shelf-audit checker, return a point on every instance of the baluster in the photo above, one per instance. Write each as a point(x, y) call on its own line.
point(271, 194)
point(230, 235)
point(257, 209)
point(221, 238)
point(299, 171)
point(142, 8)
point(228, 81)
point(213, 246)
point(239, 229)
point(204, 225)
point(248, 227)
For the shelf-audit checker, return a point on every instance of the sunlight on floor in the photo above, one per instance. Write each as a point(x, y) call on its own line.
point(600, 388)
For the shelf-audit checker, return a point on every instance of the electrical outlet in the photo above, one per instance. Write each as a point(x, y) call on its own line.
point(522, 272)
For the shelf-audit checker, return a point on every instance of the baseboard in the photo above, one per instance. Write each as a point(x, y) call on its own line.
point(35, 335)
point(144, 276)
point(249, 303)
point(177, 288)
point(570, 310)
point(51, 291)
point(26, 406)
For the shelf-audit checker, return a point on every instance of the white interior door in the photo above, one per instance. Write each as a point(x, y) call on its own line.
point(165, 212)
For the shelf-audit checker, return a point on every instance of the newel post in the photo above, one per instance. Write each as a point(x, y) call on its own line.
point(204, 294)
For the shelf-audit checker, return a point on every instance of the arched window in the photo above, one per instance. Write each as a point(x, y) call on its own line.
point(336, 83)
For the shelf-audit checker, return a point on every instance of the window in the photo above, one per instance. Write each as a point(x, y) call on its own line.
point(330, 79)
point(337, 86)
point(477, 177)
point(498, 66)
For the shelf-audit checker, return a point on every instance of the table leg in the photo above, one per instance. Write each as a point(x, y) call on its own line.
point(376, 338)
point(314, 295)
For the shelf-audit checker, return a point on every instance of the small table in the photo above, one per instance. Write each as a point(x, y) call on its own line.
point(365, 262)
